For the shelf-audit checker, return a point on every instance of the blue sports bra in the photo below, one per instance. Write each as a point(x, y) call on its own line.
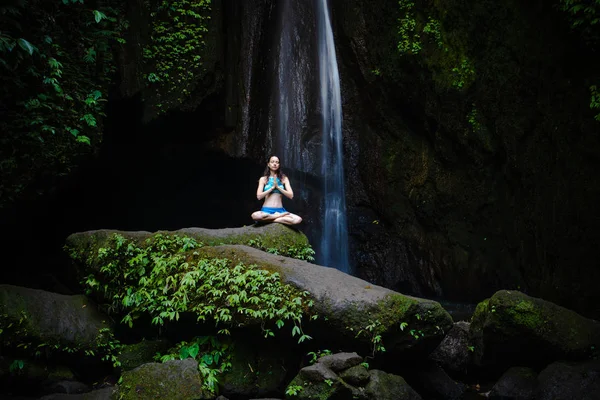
point(269, 185)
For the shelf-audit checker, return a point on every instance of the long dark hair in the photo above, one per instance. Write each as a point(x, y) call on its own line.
point(267, 172)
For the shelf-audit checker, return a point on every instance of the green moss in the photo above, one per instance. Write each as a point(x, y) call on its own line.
point(395, 307)
point(162, 381)
point(527, 315)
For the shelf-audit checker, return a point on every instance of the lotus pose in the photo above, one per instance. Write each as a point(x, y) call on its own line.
point(272, 187)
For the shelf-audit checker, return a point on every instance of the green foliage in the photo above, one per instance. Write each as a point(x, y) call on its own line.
point(584, 16)
point(595, 101)
point(374, 330)
point(294, 251)
point(166, 276)
point(473, 120)
point(293, 390)
point(174, 56)
point(56, 64)
point(213, 358)
point(315, 355)
point(16, 365)
point(410, 39)
point(422, 33)
point(15, 338)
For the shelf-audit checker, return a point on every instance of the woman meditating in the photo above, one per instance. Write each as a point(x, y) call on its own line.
point(271, 187)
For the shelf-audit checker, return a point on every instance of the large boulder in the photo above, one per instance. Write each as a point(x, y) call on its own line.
point(351, 309)
point(276, 238)
point(342, 376)
point(454, 352)
point(40, 317)
point(569, 380)
point(517, 383)
point(176, 379)
point(513, 328)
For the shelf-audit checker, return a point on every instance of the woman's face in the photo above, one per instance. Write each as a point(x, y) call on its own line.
point(274, 163)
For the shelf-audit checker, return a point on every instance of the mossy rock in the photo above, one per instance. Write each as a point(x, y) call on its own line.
point(177, 379)
point(39, 317)
point(257, 370)
point(384, 386)
point(347, 305)
point(83, 246)
point(512, 327)
point(133, 355)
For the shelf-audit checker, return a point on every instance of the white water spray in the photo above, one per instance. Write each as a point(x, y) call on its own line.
point(334, 242)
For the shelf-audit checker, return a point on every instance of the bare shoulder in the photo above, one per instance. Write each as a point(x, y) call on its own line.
point(285, 179)
point(262, 179)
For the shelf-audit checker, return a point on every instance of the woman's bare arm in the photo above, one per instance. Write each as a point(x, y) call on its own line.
point(287, 192)
point(261, 185)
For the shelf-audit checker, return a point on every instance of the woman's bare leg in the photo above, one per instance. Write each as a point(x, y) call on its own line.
point(263, 216)
point(288, 219)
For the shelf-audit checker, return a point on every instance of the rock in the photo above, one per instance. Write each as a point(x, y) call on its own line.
point(340, 361)
point(83, 246)
point(317, 373)
point(348, 305)
point(434, 381)
point(44, 317)
point(69, 387)
point(134, 355)
point(513, 328)
point(352, 310)
point(577, 381)
point(356, 376)
point(518, 383)
point(384, 386)
point(256, 369)
point(323, 389)
point(100, 394)
point(453, 353)
point(176, 379)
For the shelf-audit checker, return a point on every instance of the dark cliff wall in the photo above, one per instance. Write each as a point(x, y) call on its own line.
point(449, 210)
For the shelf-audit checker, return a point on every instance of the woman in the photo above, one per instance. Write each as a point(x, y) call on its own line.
point(272, 187)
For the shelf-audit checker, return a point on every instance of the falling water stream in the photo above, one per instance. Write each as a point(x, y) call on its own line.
point(334, 242)
point(301, 150)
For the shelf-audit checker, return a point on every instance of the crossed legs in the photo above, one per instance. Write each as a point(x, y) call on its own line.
point(286, 218)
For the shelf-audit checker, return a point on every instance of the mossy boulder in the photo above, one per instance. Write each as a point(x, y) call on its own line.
point(177, 379)
point(133, 355)
point(40, 317)
point(257, 369)
point(351, 309)
point(513, 328)
point(339, 376)
point(83, 246)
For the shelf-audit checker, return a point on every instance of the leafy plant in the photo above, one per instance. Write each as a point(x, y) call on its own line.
point(374, 330)
point(293, 390)
point(166, 276)
point(315, 355)
point(56, 65)
point(174, 55)
point(16, 365)
point(213, 358)
point(294, 251)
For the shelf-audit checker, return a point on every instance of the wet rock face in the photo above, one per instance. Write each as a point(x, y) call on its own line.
point(470, 214)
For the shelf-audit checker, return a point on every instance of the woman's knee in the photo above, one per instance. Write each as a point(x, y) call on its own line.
point(257, 215)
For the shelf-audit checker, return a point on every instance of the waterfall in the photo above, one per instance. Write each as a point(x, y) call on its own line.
point(307, 145)
point(334, 242)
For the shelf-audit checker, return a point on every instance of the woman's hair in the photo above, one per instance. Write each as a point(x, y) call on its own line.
point(267, 172)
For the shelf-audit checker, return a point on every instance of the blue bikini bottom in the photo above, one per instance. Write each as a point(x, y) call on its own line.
point(273, 210)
